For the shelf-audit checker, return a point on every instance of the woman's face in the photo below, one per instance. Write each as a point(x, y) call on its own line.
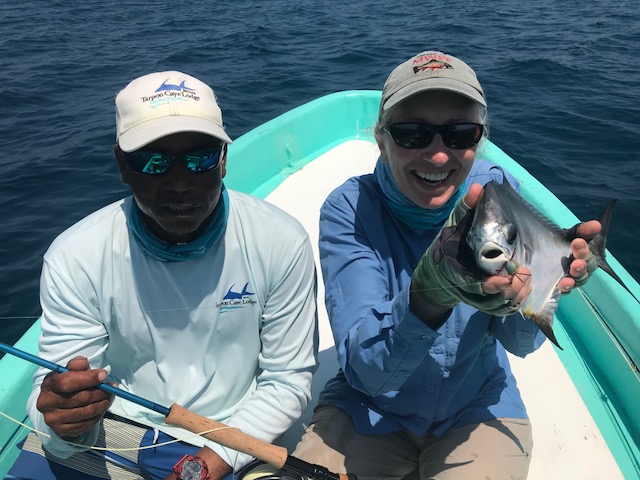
point(429, 176)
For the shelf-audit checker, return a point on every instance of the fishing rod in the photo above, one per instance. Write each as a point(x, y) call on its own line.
point(230, 437)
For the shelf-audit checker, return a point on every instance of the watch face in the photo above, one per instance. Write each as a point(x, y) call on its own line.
point(192, 470)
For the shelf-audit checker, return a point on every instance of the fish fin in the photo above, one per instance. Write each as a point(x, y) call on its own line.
point(504, 176)
point(544, 318)
point(598, 244)
point(501, 170)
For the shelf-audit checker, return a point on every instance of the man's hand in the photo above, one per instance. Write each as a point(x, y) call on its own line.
point(70, 402)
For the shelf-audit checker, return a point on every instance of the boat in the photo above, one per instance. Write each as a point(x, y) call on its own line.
point(582, 400)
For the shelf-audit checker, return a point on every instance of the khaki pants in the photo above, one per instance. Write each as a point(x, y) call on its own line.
point(498, 449)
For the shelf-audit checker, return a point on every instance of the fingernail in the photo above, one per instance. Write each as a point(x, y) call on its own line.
point(102, 376)
point(580, 269)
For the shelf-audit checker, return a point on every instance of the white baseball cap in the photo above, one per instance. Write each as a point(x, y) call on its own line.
point(162, 103)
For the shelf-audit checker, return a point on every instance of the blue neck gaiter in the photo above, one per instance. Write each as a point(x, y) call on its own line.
point(404, 209)
point(167, 252)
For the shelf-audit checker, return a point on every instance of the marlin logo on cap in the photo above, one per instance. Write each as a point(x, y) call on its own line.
point(169, 87)
point(431, 65)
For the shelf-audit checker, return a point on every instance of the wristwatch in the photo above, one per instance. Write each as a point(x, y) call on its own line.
point(191, 468)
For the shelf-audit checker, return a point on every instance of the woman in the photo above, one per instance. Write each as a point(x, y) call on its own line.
point(425, 383)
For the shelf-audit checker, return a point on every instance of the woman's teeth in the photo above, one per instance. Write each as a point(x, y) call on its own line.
point(433, 177)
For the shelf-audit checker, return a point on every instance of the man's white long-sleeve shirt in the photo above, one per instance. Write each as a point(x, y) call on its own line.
point(230, 335)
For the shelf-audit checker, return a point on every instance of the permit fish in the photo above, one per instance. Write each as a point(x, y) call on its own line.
point(505, 232)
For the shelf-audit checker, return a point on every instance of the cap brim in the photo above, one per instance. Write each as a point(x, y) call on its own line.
point(151, 130)
point(447, 84)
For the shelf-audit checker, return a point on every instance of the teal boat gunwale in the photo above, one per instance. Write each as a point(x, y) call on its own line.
point(599, 355)
point(15, 388)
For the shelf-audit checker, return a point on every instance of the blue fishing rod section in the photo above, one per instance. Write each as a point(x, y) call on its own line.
point(103, 386)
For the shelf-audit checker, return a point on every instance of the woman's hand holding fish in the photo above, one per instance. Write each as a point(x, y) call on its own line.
point(584, 263)
point(69, 401)
point(440, 284)
point(513, 289)
point(516, 288)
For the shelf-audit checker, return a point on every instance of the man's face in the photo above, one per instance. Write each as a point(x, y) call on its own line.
point(177, 205)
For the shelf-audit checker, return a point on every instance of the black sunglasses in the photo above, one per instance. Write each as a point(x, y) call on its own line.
point(420, 135)
point(158, 163)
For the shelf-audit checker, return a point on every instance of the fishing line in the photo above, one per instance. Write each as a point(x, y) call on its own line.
point(212, 307)
point(626, 355)
point(124, 449)
point(345, 294)
point(596, 384)
point(179, 416)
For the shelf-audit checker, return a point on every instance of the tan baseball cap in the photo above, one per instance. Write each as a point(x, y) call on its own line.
point(431, 70)
point(162, 103)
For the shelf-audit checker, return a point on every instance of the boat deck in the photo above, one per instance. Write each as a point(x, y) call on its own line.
point(567, 442)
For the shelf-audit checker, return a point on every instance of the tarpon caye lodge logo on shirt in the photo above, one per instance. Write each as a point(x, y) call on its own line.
point(431, 62)
point(234, 299)
point(168, 91)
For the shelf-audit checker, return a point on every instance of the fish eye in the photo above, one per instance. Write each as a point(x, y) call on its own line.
point(512, 233)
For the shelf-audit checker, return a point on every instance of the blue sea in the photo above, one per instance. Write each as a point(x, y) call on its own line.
point(562, 81)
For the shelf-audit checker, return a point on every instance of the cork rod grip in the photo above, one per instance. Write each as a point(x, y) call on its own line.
point(227, 436)
point(242, 442)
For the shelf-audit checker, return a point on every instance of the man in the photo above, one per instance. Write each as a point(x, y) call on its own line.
point(185, 292)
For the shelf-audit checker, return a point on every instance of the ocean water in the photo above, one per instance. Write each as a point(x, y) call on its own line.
point(562, 81)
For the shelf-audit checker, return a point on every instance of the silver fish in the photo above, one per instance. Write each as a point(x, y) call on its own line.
point(504, 232)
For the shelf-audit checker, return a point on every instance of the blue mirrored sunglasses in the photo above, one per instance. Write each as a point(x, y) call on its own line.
point(158, 163)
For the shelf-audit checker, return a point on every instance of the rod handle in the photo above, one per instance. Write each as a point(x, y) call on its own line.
point(236, 439)
point(229, 437)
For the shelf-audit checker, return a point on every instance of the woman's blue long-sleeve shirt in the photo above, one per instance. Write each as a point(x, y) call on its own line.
point(396, 372)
